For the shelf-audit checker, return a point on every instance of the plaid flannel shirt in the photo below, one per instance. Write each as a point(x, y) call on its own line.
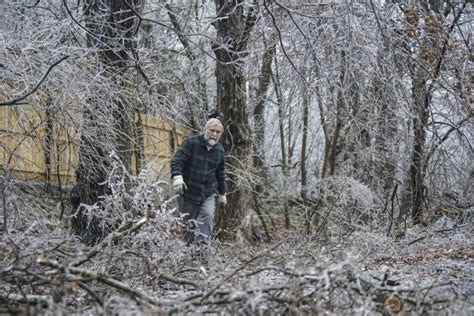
point(202, 169)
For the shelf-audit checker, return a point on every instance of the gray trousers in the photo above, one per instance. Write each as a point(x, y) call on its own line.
point(198, 220)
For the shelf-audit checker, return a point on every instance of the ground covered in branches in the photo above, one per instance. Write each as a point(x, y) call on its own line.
point(142, 267)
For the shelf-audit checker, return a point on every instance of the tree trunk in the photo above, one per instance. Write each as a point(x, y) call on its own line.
point(335, 143)
point(233, 30)
point(48, 144)
point(106, 125)
point(281, 129)
point(304, 145)
point(259, 129)
point(420, 124)
point(138, 139)
point(303, 157)
point(432, 49)
point(387, 127)
point(258, 112)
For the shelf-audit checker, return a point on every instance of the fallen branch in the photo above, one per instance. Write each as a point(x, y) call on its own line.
point(436, 231)
point(116, 234)
point(93, 275)
point(241, 267)
point(166, 276)
point(91, 292)
point(176, 280)
point(29, 298)
point(393, 297)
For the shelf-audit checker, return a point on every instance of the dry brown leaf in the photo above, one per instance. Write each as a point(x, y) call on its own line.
point(393, 304)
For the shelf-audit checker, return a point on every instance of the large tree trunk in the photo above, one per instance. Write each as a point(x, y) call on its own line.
point(431, 50)
point(233, 29)
point(106, 125)
point(420, 124)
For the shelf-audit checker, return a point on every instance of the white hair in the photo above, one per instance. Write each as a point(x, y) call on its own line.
point(213, 122)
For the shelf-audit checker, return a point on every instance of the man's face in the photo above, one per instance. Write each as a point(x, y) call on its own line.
point(212, 135)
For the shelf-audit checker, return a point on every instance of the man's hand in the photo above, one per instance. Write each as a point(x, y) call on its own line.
point(178, 185)
point(221, 200)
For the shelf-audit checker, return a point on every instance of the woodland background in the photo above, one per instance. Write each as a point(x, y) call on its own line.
point(348, 137)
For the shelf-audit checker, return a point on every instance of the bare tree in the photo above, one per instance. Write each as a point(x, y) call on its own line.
point(430, 41)
point(259, 109)
point(110, 29)
point(233, 32)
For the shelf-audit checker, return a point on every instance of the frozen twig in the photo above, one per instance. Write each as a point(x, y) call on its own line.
point(93, 275)
point(176, 280)
point(91, 292)
point(118, 233)
point(29, 298)
point(436, 231)
point(35, 88)
point(240, 268)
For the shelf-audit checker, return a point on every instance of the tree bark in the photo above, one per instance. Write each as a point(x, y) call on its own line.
point(336, 143)
point(111, 27)
point(304, 144)
point(431, 50)
point(48, 143)
point(233, 30)
point(420, 124)
point(281, 129)
point(259, 110)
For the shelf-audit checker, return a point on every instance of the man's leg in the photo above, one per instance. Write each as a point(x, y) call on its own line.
point(190, 212)
point(205, 221)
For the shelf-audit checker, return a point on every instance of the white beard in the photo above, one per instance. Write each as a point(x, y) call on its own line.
point(211, 142)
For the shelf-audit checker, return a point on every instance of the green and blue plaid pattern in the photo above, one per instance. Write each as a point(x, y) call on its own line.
point(202, 169)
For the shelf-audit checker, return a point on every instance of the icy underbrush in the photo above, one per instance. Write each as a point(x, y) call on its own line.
point(143, 267)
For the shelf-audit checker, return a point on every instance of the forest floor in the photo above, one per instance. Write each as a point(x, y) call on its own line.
point(144, 268)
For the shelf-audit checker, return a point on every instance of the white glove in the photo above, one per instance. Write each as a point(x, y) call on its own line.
point(178, 184)
point(222, 199)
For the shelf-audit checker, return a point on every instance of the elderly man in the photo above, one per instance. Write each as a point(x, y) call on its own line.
point(197, 169)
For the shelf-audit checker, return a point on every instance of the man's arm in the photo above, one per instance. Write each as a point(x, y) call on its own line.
point(180, 158)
